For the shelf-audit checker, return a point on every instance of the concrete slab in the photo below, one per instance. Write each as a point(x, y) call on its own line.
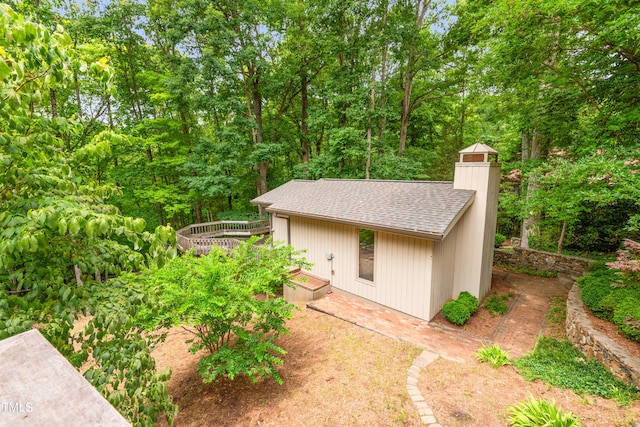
point(39, 387)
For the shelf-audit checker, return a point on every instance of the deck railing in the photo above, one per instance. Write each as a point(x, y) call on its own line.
point(202, 237)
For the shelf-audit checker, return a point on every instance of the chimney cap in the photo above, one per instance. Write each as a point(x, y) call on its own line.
point(478, 152)
point(478, 147)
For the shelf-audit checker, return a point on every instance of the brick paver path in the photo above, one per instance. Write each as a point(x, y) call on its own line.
point(517, 333)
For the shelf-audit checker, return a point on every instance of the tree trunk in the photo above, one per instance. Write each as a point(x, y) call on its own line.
point(563, 233)
point(54, 103)
point(420, 11)
point(406, 109)
point(77, 89)
point(382, 124)
point(304, 116)
point(160, 214)
point(530, 151)
point(198, 208)
point(372, 106)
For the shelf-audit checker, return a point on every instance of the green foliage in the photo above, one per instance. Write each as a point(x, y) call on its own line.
point(560, 364)
point(537, 273)
point(456, 312)
point(597, 266)
point(499, 240)
point(469, 300)
point(595, 286)
point(613, 297)
point(460, 310)
point(60, 237)
point(239, 215)
point(626, 316)
point(228, 304)
point(557, 312)
point(540, 412)
point(119, 348)
point(497, 304)
point(494, 355)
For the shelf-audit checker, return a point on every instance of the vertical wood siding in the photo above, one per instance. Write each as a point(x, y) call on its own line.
point(475, 239)
point(279, 229)
point(402, 270)
point(444, 270)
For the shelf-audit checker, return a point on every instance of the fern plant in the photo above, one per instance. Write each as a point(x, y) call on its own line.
point(540, 412)
point(493, 355)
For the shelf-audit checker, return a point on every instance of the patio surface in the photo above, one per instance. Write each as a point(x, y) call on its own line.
point(517, 332)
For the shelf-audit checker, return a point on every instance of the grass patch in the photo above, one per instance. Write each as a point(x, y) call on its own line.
point(537, 273)
point(562, 365)
point(557, 311)
point(497, 304)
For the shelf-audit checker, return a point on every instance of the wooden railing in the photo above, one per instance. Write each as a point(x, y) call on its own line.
point(202, 237)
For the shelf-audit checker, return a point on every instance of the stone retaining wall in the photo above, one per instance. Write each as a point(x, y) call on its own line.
point(568, 268)
point(596, 345)
point(579, 329)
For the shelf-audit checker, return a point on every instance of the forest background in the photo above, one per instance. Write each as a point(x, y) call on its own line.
point(121, 117)
point(221, 101)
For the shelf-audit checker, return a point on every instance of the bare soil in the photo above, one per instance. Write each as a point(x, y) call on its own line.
point(483, 323)
point(335, 374)
point(477, 394)
point(338, 374)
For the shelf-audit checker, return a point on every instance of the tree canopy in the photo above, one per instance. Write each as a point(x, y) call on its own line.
point(122, 120)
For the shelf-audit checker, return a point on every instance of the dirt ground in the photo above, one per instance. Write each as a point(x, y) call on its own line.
point(477, 394)
point(335, 374)
point(338, 374)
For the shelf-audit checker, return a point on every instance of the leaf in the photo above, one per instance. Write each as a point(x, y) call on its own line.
point(139, 225)
point(5, 70)
point(62, 226)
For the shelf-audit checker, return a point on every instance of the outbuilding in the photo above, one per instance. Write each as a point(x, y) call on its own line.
point(407, 245)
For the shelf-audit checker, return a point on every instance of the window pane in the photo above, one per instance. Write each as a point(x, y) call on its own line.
point(365, 265)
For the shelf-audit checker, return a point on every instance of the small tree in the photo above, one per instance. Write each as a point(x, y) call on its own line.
point(60, 239)
point(229, 304)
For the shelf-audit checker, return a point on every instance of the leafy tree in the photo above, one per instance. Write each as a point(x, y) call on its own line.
point(228, 303)
point(60, 238)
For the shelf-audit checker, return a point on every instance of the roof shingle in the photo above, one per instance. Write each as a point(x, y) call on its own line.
point(421, 208)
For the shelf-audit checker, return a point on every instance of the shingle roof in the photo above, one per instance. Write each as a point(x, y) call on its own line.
point(420, 208)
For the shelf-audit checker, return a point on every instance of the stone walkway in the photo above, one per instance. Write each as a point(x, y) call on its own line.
point(517, 333)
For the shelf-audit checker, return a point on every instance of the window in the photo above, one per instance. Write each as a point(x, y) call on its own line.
point(366, 246)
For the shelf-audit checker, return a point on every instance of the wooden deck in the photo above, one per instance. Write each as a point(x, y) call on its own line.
point(224, 234)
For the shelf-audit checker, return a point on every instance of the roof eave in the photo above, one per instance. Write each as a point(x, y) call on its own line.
point(461, 212)
point(409, 232)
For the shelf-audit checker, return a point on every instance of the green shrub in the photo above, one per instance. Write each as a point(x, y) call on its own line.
point(597, 266)
point(562, 365)
point(627, 317)
point(497, 304)
point(540, 412)
point(469, 300)
point(593, 295)
point(612, 301)
point(456, 312)
point(499, 240)
point(595, 287)
point(493, 355)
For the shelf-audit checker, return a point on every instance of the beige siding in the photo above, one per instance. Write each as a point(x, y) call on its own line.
point(475, 239)
point(444, 267)
point(280, 229)
point(402, 270)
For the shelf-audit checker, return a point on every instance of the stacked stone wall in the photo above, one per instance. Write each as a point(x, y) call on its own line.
point(568, 268)
point(596, 345)
point(579, 328)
